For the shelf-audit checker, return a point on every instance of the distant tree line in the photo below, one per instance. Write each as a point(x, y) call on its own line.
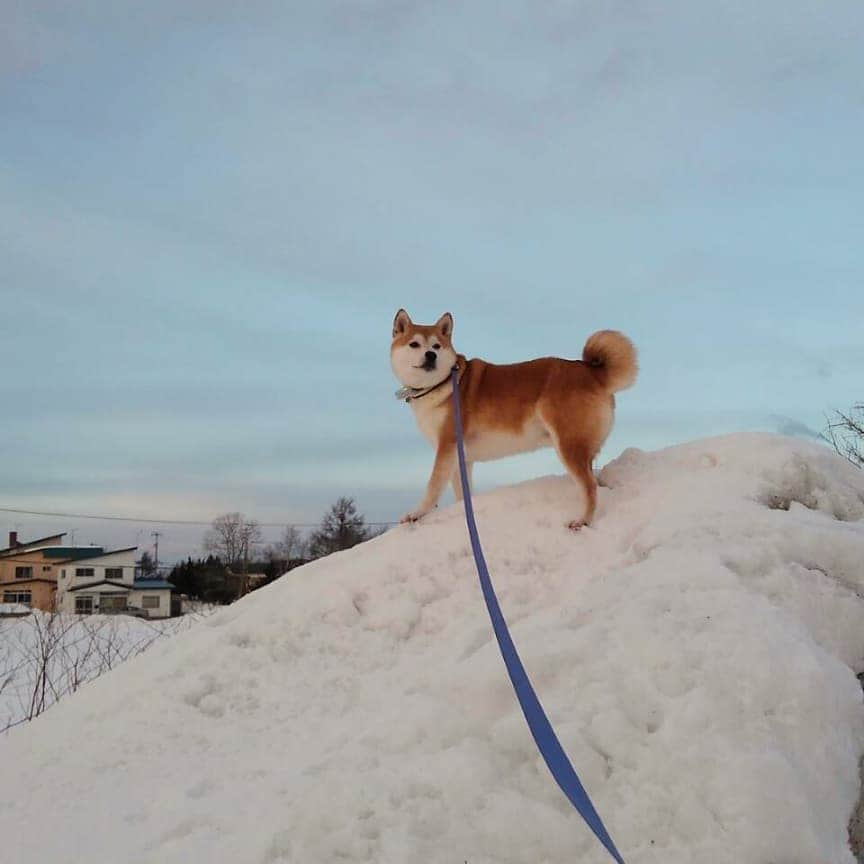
point(234, 565)
point(205, 579)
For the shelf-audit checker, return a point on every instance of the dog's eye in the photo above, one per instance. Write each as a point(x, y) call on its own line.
point(413, 344)
point(436, 346)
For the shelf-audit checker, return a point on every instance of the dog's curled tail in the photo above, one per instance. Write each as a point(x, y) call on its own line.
point(612, 358)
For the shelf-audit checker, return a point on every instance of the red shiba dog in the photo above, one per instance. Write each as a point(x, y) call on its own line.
point(550, 402)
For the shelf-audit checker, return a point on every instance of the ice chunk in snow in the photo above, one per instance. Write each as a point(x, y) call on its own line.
point(696, 650)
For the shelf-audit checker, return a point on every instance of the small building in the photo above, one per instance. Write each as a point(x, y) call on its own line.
point(157, 597)
point(104, 583)
point(108, 574)
point(28, 571)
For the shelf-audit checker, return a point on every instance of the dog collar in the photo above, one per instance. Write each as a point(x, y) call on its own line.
point(409, 394)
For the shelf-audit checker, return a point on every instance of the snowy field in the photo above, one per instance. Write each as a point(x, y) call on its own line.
point(696, 650)
point(46, 657)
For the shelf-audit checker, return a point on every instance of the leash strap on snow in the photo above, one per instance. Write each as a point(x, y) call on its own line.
point(544, 735)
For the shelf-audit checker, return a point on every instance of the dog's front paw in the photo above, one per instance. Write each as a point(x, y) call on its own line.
point(414, 516)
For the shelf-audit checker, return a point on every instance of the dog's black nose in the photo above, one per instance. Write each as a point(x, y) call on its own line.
point(431, 357)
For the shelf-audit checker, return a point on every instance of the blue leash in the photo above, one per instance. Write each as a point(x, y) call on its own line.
point(544, 735)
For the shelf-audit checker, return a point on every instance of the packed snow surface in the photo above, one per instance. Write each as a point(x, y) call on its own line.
point(696, 650)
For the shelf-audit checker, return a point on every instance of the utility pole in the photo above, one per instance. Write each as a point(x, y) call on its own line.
point(157, 535)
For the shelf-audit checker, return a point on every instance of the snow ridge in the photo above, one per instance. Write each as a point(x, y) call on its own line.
point(696, 651)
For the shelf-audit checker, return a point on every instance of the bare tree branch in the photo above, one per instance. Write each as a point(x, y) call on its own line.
point(845, 433)
point(231, 537)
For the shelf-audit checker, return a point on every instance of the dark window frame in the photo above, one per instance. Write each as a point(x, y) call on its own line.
point(84, 600)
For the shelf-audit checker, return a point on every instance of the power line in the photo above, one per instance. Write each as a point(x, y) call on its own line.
point(199, 522)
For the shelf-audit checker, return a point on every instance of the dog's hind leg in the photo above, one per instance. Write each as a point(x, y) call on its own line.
point(577, 460)
point(456, 480)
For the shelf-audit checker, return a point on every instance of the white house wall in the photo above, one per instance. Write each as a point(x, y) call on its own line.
point(67, 579)
point(136, 599)
point(69, 597)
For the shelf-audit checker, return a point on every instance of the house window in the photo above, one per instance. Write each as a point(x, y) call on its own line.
point(84, 604)
point(114, 573)
point(23, 572)
point(25, 597)
point(150, 601)
point(83, 572)
point(46, 568)
point(112, 603)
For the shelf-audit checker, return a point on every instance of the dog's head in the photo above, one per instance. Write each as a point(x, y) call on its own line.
point(422, 355)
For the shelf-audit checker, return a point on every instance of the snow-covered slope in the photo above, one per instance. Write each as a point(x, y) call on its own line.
point(696, 651)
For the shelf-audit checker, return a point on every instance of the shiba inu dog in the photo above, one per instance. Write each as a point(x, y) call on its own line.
point(507, 409)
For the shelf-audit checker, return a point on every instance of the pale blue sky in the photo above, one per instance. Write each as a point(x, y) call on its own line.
point(209, 213)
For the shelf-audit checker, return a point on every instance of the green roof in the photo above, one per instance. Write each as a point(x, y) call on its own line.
point(72, 552)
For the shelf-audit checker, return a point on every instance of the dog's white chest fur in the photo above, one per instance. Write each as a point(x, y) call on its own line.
point(429, 417)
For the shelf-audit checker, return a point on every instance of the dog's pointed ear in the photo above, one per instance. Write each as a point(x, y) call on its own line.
point(444, 325)
point(401, 323)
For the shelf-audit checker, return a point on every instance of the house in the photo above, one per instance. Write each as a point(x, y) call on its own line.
point(28, 571)
point(48, 575)
point(105, 583)
point(157, 597)
point(107, 573)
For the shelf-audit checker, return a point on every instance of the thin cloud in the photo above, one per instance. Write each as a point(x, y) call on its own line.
point(210, 215)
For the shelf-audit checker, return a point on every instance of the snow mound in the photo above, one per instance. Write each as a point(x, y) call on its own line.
point(696, 651)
